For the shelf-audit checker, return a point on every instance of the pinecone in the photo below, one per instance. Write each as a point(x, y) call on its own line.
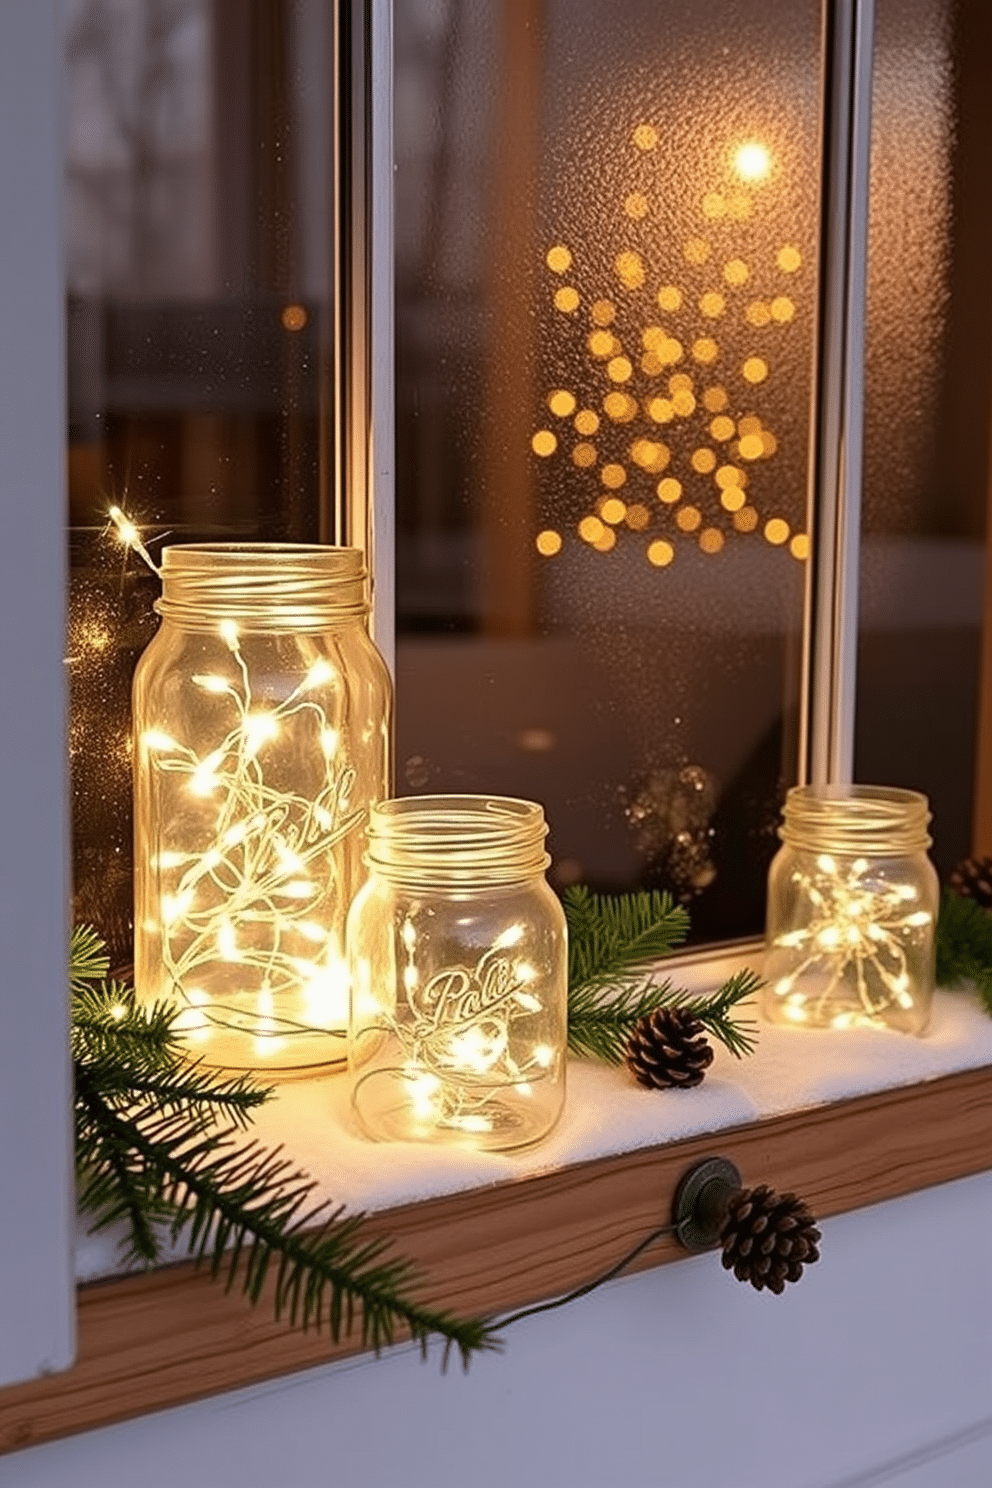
point(668, 1050)
point(973, 878)
point(768, 1238)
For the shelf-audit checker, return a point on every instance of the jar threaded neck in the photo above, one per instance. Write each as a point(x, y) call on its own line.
point(262, 586)
point(856, 819)
point(457, 841)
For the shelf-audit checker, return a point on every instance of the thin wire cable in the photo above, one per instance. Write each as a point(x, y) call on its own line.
point(590, 1286)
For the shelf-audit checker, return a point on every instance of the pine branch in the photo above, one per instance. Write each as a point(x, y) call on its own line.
point(964, 945)
point(132, 1051)
point(110, 1185)
point(612, 940)
point(186, 1089)
point(243, 1203)
point(612, 937)
point(600, 1024)
point(150, 1153)
point(106, 1019)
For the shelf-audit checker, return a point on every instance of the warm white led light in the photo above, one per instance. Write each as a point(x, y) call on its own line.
point(212, 683)
point(158, 740)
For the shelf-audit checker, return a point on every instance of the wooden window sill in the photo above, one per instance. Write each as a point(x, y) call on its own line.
point(844, 1119)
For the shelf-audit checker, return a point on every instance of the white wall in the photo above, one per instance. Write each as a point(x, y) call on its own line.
point(875, 1369)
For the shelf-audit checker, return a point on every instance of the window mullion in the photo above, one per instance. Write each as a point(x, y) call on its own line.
point(836, 463)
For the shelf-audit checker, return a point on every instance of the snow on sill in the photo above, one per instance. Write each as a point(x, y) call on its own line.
point(606, 1114)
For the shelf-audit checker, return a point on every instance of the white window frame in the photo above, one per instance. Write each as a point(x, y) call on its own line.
point(37, 1298)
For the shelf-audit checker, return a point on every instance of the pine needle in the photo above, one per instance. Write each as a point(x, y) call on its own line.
point(610, 937)
point(88, 959)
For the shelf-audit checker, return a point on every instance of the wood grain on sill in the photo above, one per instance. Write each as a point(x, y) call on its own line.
point(162, 1339)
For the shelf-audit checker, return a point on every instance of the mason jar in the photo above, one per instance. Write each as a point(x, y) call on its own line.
point(457, 954)
point(261, 740)
point(852, 910)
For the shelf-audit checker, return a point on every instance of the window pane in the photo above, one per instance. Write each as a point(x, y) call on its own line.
point(199, 239)
point(606, 281)
point(927, 426)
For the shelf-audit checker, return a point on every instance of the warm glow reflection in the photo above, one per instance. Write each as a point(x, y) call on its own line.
point(752, 162)
point(561, 403)
point(643, 331)
point(591, 529)
point(293, 317)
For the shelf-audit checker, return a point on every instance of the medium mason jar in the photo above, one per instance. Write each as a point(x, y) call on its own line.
point(457, 953)
point(262, 738)
point(852, 910)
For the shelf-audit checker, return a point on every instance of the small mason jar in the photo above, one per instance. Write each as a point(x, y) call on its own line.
point(852, 910)
point(262, 737)
point(457, 954)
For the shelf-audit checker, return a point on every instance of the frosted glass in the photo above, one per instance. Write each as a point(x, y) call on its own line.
point(606, 282)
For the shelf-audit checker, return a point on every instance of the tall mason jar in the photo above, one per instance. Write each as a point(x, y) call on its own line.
point(262, 716)
point(457, 952)
point(852, 910)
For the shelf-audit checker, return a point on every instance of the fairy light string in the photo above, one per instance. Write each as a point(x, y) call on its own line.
point(856, 932)
point(460, 1051)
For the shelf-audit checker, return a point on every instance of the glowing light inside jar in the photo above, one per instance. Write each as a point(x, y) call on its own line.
point(858, 930)
point(256, 895)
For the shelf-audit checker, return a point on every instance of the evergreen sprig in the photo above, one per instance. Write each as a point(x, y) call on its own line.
point(964, 945)
point(159, 1148)
point(609, 937)
point(612, 941)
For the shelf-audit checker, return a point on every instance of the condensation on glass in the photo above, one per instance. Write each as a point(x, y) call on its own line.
point(606, 283)
point(262, 716)
point(199, 225)
point(458, 971)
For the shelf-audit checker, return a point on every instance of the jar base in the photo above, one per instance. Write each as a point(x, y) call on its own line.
point(795, 1012)
point(498, 1124)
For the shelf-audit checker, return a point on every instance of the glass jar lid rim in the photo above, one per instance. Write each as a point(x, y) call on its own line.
point(856, 818)
point(197, 555)
point(840, 793)
point(468, 806)
point(468, 838)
